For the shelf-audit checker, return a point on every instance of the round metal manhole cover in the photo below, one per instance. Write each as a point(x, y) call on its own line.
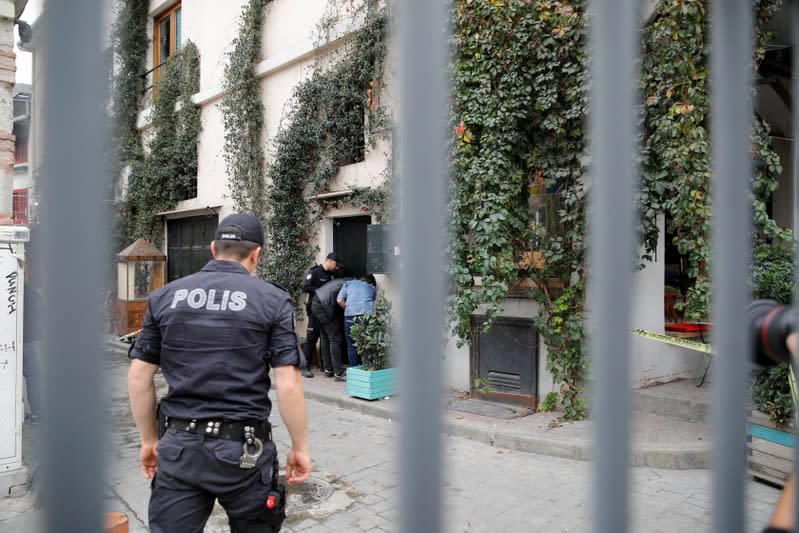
point(317, 498)
point(307, 495)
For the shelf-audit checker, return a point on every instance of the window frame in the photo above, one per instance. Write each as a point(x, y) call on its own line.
point(174, 46)
point(20, 205)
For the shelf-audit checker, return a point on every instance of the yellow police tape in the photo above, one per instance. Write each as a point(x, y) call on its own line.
point(705, 348)
point(676, 341)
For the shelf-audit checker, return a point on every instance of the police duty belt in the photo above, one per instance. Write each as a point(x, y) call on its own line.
point(252, 434)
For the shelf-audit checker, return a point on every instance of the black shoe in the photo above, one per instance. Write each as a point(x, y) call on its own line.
point(341, 377)
point(329, 373)
point(306, 373)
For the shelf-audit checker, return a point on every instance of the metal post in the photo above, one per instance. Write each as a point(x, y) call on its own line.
point(613, 99)
point(794, 14)
point(731, 82)
point(74, 232)
point(422, 41)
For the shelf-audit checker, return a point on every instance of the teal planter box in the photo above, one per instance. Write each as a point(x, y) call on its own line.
point(769, 449)
point(371, 384)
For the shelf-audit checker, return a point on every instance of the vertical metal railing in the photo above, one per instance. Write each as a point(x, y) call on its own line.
point(74, 233)
point(731, 115)
point(74, 238)
point(794, 18)
point(422, 149)
point(610, 260)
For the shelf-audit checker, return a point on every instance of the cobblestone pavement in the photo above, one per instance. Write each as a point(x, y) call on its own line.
point(354, 487)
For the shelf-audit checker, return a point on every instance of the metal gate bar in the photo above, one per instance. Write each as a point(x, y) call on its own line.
point(794, 14)
point(610, 260)
point(731, 105)
point(422, 149)
point(72, 176)
point(74, 235)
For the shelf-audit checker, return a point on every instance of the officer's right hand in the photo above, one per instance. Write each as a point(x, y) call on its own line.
point(147, 458)
point(298, 466)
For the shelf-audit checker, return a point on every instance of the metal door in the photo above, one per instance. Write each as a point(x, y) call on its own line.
point(189, 244)
point(349, 242)
point(506, 359)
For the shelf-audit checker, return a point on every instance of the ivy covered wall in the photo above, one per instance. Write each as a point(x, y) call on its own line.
point(520, 99)
point(676, 166)
point(161, 161)
point(519, 156)
point(324, 128)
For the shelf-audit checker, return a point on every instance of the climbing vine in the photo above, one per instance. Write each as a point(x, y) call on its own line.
point(130, 48)
point(520, 85)
point(168, 172)
point(378, 200)
point(243, 115)
point(676, 167)
point(324, 128)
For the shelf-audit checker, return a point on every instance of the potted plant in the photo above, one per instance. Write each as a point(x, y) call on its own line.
point(373, 336)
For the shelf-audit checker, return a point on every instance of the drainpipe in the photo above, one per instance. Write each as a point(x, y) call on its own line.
point(8, 71)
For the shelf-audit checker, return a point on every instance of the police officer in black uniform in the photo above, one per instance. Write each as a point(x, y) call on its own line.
point(317, 276)
point(328, 315)
point(215, 334)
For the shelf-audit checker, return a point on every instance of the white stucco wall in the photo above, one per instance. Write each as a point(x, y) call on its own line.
point(652, 361)
point(288, 40)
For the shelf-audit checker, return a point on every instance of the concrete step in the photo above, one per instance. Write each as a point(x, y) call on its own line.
point(680, 400)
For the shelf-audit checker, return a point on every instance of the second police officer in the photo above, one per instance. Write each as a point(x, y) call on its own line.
point(317, 276)
point(215, 335)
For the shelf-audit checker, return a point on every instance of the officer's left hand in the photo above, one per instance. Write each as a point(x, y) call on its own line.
point(147, 458)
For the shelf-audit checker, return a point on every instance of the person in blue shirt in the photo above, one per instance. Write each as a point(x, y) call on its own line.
point(357, 297)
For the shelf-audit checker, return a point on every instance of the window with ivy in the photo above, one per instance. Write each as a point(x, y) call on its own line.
point(167, 28)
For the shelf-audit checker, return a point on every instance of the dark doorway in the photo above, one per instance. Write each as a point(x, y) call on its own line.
point(189, 244)
point(349, 242)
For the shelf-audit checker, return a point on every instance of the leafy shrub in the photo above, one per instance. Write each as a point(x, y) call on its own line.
point(373, 335)
point(550, 402)
point(772, 273)
point(771, 393)
point(772, 277)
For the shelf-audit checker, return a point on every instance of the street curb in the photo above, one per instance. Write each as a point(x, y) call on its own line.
point(685, 458)
point(367, 407)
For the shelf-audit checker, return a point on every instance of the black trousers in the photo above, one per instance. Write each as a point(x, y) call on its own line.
point(195, 470)
point(312, 335)
point(332, 337)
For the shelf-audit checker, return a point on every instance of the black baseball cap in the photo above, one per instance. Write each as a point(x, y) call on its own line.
point(240, 227)
point(335, 257)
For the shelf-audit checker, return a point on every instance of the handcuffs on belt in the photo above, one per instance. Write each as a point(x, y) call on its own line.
point(248, 460)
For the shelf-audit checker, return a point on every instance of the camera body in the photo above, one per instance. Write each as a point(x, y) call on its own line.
point(770, 324)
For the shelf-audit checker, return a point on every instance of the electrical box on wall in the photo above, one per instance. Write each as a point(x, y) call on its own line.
point(380, 249)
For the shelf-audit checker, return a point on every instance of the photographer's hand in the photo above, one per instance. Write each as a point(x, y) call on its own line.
point(792, 342)
point(784, 514)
